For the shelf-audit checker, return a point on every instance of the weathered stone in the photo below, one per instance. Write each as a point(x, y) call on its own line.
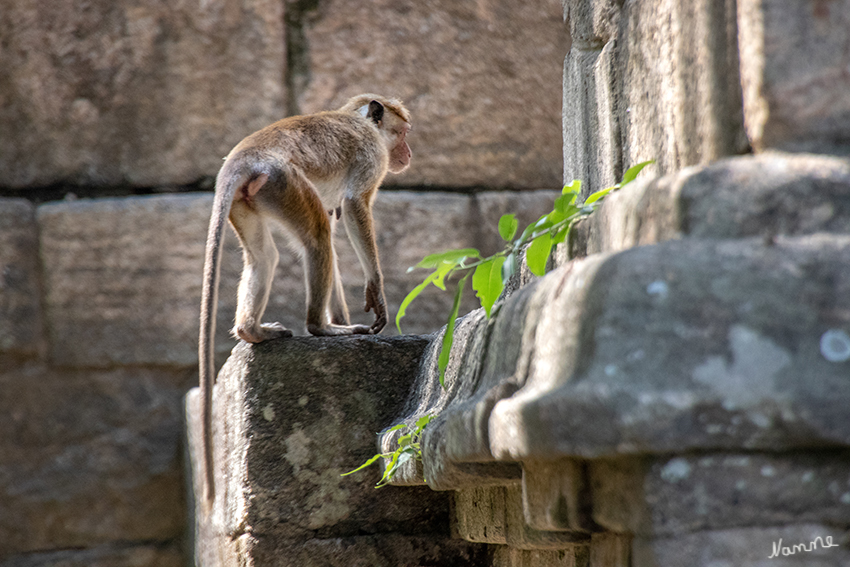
point(89, 458)
point(665, 496)
point(123, 277)
point(732, 198)
point(610, 550)
point(678, 88)
point(505, 556)
point(379, 550)
point(150, 93)
point(481, 72)
point(292, 415)
point(746, 547)
point(592, 23)
point(495, 515)
point(522, 536)
point(118, 555)
point(554, 495)
point(721, 341)
point(118, 268)
point(479, 515)
point(794, 73)
point(20, 297)
point(592, 144)
point(717, 338)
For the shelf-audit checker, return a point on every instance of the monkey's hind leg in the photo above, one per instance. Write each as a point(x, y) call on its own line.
point(300, 209)
point(339, 308)
point(260, 256)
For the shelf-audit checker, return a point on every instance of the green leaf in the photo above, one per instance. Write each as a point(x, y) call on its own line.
point(443, 270)
point(404, 440)
point(410, 297)
point(508, 226)
point(450, 256)
point(487, 282)
point(366, 464)
point(573, 189)
point(395, 427)
point(633, 171)
point(448, 338)
point(423, 421)
point(537, 254)
point(565, 205)
point(598, 195)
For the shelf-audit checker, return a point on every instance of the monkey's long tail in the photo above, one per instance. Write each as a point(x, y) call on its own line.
point(209, 303)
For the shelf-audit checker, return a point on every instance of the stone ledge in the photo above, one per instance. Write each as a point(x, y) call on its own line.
point(686, 345)
point(290, 416)
point(691, 345)
point(766, 195)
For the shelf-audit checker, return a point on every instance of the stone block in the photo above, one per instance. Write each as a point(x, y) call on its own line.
point(479, 515)
point(686, 345)
point(379, 550)
point(88, 458)
point(669, 496)
point(592, 22)
point(736, 197)
point(495, 515)
point(796, 88)
point(505, 556)
point(123, 276)
point(520, 535)
point(679, 94)
point(591, 129)
point(292, 415)
point(20, 289)
point(746, 547)
point(118, 555)
point(476, 77)
point(145, 94)
point(554, 495)
point(132, 267)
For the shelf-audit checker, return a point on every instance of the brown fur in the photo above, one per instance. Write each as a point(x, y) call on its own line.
point(295, 171)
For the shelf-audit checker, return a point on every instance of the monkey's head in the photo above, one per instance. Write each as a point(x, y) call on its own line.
point(393, 122)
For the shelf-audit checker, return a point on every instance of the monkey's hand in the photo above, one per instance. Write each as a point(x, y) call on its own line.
point(375, 302)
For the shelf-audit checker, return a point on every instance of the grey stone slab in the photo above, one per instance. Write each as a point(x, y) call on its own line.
point(692, 344)
point(88, 458)
point(478, 79)
point(794, 74)
point(679, 97)
point(123, 276)
point(146, 94)
point(675, 495)
point(746, 547)
point(118, 555)
point(291, 416)
point(764, 195)
point(21, 323)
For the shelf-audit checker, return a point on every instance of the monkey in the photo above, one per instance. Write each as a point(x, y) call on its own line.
point(304, 172)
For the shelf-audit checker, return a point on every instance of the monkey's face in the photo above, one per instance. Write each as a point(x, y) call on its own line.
point(400, 153)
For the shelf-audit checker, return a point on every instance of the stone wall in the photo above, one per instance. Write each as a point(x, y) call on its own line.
point(675, 390)
point(114, 120)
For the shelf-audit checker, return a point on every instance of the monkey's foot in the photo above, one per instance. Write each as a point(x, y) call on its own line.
point(338, 330)
point(265, 332)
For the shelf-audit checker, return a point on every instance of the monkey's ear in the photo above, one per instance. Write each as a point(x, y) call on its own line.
point(376, 111)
